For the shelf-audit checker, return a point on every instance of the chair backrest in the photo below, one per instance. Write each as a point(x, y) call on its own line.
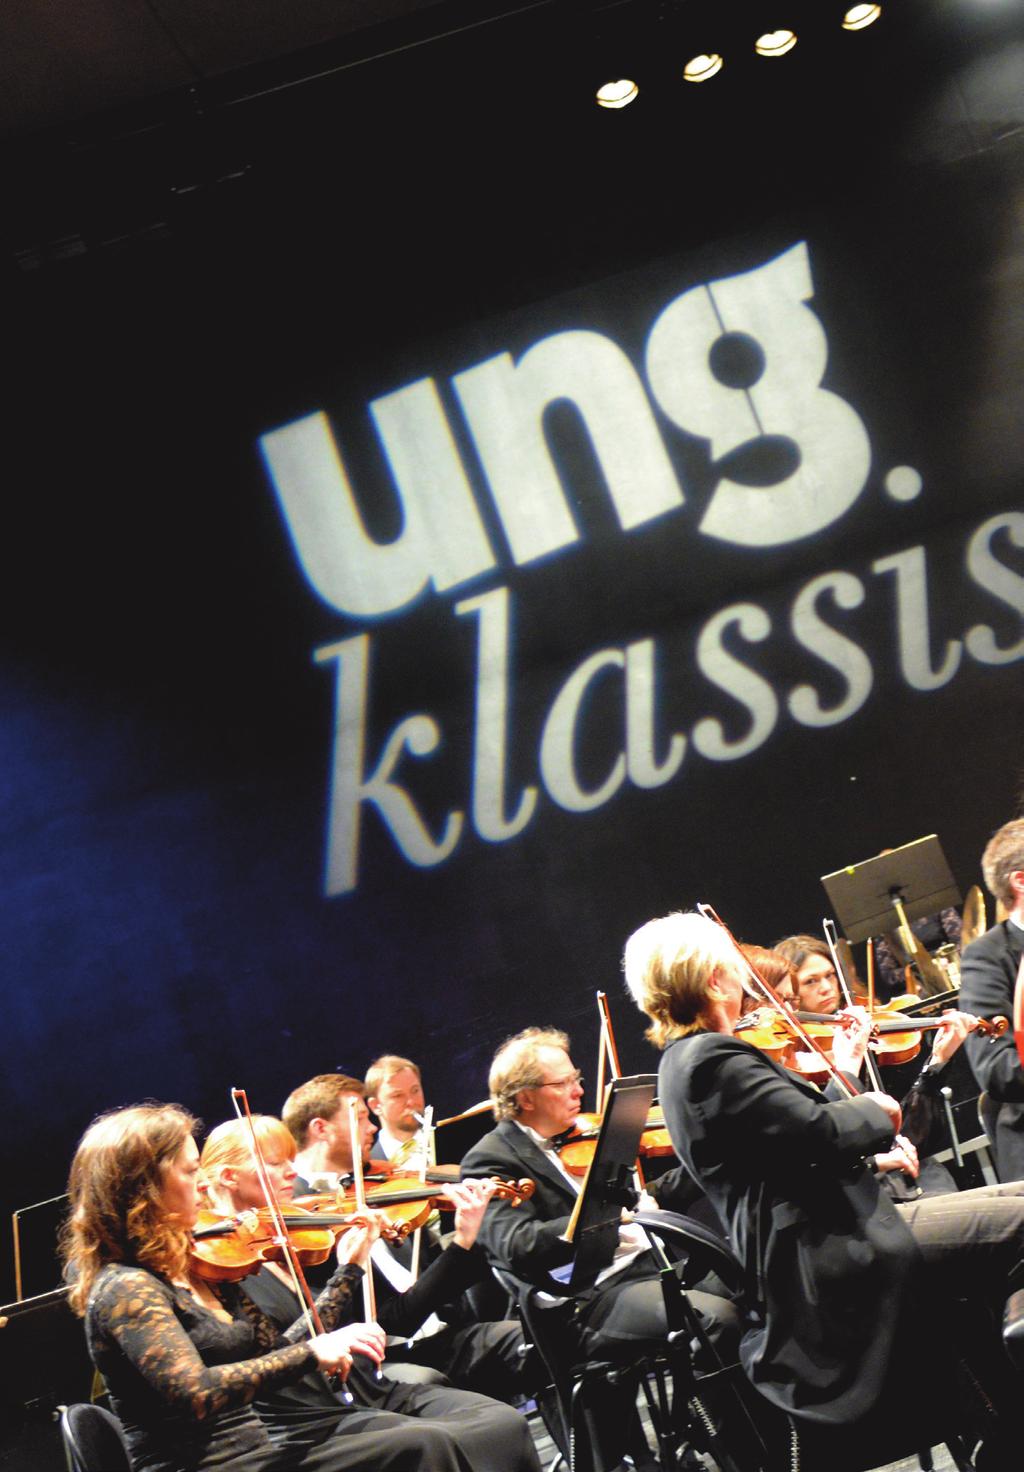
point(93, 1439)
point(704, 1251)
point(547, 1323)
point(987, 1112)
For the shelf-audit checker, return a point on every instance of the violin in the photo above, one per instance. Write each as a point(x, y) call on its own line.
point(895, 1038)
point(228, 1248)
point(768, 1031)
point(406, 1201)
point(576, 1151)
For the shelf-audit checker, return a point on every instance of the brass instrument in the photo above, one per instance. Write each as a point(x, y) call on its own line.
point(974, 916)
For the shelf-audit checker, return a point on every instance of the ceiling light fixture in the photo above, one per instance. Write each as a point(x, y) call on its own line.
point(617, 94)
point(775, 43)
point(702, 68)
point(859, 16)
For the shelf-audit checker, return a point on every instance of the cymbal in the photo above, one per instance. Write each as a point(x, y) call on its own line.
point(932, 977)
point(974, 916)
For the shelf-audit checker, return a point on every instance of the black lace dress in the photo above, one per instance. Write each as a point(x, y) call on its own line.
point(182, 1380)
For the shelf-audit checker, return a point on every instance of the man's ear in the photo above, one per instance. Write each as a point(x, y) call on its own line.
point(373, 1105)
point(525, 1103)
point(316, 1129)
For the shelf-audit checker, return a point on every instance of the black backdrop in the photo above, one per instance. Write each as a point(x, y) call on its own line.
point(167, 733)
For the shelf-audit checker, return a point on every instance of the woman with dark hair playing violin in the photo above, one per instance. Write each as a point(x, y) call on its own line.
point(800, 969)
point(182, 1364)
point(185, 1359)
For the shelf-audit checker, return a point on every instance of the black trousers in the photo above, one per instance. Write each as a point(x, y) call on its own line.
point(487, 1358)
point(443, 1430)
point(628, 1309)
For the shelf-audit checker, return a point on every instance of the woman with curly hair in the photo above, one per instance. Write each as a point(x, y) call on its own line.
point(181, 1361)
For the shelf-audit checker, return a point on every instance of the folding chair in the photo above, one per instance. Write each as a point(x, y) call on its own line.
point(809, 1447)
point(93, 1439)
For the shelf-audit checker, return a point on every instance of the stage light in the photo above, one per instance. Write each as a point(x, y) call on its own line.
point(617, 94)
point(702, 68)
point(859, 16)
point(775, 43)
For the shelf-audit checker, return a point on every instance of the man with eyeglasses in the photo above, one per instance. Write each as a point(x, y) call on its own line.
point(535, 1093)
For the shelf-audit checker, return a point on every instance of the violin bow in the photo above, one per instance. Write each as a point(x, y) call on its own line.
point(309, 1311)
point(427, 1159)
point(1018, 1012)
point(607, 1053)
point(831, 940)
point(359, 1186)
point(774, 1000)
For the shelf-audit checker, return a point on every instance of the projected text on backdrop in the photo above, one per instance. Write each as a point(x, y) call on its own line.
point(739, 363)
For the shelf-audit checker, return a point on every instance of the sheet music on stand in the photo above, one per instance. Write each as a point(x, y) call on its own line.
point(594, 1227)
point(868, 897)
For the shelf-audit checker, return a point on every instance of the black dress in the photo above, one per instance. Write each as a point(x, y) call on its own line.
point(182, 1380)
point(390, 1424)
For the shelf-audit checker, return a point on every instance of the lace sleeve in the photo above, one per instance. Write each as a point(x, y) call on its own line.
point(334, 1306)
point(133, 1313)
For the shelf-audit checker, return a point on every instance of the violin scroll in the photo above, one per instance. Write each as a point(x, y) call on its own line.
point(516, 1192)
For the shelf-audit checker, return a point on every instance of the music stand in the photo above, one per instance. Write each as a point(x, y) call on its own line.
point(909, 883)
point(594, 1227)
point(454, 1137)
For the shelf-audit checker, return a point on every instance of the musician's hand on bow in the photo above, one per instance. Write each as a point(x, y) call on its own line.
point(902, 1156)
point(470, 1198)
point(331, 1352)
point(948, 1038)
point(355, 1243)
point(366, 1339)
point(889, 1105)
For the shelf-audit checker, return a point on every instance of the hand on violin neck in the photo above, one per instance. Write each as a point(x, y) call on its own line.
point(355, 1245)
point(470, 1198)
point(850, 1041)
point(949, 1037)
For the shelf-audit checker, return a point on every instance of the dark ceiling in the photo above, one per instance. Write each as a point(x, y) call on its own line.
point(61, 63)
point(121, 120)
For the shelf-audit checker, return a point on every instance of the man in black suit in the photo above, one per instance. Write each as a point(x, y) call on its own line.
point(988, 973)
point(490, 1358)
point(535, 1093)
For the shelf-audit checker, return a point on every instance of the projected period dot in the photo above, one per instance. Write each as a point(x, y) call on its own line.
point(903, 483)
